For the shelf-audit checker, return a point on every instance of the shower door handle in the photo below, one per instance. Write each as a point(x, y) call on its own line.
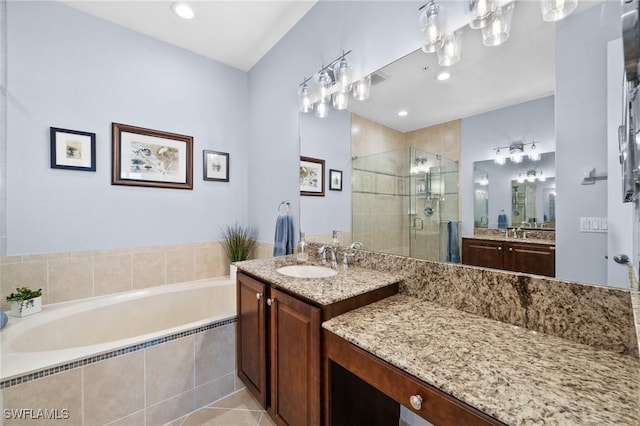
point(415, 223)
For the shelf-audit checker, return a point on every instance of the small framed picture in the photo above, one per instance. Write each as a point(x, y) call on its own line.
point(311, 176)
point(216, 165)
point(146, 157)
point(335, 180)
point(73, 150)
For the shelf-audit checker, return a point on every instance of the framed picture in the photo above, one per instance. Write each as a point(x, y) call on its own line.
point(311, 176)
point(72, 150)
point(216, 165)
point(335, 180)
point(145, 157)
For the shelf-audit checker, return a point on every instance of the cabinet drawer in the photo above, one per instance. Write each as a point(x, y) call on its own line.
point(435, 406)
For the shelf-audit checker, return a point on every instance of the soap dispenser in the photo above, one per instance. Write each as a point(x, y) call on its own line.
point(302, 254)
point(335, 242)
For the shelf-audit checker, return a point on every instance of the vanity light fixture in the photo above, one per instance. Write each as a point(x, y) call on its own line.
point(333, 85)
point(498, 26)
point(449, 53)
point(480, 10)
point(517, 152)
point(555, 10)
point(183, 10)
point(531, 176)
point(431, 22)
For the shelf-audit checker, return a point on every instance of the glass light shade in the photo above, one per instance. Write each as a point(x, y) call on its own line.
point(304, 99)
point(531, 177)
point(534, 154)
point(431, 24)
point(497, 29)
point(340, 100)
point(480, 11)
point(541, 177)
point(342, 71)
point(520, 178)
point(362, 89)
point(499, 159)
point(516, 157)
point(555, 10)
point(324, 85)
point(449, 53)
point(322, 109)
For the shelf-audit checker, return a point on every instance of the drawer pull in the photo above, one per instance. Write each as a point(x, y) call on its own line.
point(510, 248)
point(258, 296)
point(499, 248)
point(416, 402)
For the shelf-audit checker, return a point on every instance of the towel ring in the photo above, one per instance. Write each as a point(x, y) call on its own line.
point(286, 206)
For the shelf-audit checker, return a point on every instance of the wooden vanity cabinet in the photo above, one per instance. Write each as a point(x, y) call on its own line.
point(279, 347)
point(516, 256)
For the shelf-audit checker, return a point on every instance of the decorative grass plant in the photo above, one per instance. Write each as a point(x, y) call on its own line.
point(239, 241)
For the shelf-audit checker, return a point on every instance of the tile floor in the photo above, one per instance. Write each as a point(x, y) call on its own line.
point(239, 409)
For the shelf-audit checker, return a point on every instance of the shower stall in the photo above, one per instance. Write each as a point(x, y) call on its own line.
point(402, 201)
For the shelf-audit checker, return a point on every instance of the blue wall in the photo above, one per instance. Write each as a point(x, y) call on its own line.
point(71, 70)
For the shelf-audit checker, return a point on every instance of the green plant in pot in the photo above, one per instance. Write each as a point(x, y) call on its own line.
point(238, 242)
point(25, 301)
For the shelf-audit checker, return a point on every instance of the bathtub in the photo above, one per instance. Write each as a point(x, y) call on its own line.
point(65, 335)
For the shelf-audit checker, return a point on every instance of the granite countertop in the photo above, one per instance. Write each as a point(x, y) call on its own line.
point(515, 375)
point(323, 291)
point(512, 240)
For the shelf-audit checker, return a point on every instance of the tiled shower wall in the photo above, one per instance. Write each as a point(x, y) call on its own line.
point(387, 194)
point(77, 275)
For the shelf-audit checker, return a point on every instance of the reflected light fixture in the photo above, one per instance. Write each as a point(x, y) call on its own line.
point(362, 88)
point(531, 176)
point(480, 10)
point(431, 23)
point(534, 154)
point(183, 10)
point(420, 167)
point(555, 10)
point(498, 26)
point(516, 152)
point(499, 158)
point(449, 53)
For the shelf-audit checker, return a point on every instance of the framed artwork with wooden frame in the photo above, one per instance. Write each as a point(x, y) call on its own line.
point(311, 176)
point(146, 157)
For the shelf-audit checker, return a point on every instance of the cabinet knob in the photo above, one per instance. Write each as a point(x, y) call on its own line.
point(499, 248)
point(510, 248)
point(416, 402)
point(258, 296)
point(270, 301)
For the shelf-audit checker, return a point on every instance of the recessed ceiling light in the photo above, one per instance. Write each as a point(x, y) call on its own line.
point(183, 10)
point(444, 75)
point(402, 113)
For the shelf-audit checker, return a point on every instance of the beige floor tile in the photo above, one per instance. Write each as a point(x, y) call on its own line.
point(241, 400)
point(215, 416)
point(265, 420)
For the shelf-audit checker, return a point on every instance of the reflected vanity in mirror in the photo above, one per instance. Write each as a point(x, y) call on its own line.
point(460, 122)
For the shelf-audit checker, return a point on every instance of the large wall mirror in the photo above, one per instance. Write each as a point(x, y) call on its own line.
point(422, 149)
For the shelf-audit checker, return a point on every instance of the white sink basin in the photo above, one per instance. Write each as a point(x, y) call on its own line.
point(307, 271)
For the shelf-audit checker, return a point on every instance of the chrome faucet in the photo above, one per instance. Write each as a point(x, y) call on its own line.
point(345, 260)
point(323, 251)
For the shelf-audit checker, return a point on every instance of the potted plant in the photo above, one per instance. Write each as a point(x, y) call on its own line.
point(25, 301)
point(238, 242)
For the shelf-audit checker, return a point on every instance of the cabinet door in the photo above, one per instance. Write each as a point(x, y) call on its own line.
point(536, 259)
point(295, 361)
point(482, 253)
point(251, 350)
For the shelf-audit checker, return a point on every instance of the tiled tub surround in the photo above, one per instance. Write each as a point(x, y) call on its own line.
point(513, 374)
point(154, 378)
point(77, 275)
point(601, 317)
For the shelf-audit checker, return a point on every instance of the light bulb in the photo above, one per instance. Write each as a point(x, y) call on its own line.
point(324, 84)
point(449, 53)
point(343, 75)
point(497, 29)
point(304, 99)
point(516, 157)
point(362, 89)
point(555, 10)
point(481, 11)
point(431, 24)
point(322, 109)
point(534, 155)
point(340, 100)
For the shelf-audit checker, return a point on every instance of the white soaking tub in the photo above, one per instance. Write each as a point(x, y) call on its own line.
point(66, 334)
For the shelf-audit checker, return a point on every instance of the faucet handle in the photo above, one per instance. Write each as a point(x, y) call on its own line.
point(345, 260)
point(356, 245)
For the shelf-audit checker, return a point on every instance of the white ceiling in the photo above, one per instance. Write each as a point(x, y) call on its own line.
point(486, 78)
point(234, 32)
